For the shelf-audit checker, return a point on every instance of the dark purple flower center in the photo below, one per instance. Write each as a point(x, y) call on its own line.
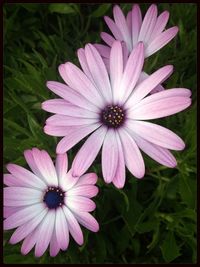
point(113, 116)
point(54, 197)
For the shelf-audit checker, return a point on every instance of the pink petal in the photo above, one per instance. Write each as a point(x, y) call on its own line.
point(25, 229)
point(68, 181)
point(132, 155)
point(120, 175)
point(8, 211)
point(62, 107)
point(161, 40)
point(62, 231)
point(54, 247)
point(129, 22)
point(87, 220)
point(45, 232)
point(147, 85)
point(71, 95)
point(63, 120)
point(23, 177)
point(113, 27)
point(45, 166)
point(132, 71)
point(88, 152)
point(154, 106)
point(22, 216)
point(143, 76)
point(159, 154)
point(136, 23)
point(10, 180)
point(148, 24)
point(116, 68)
point(122, 25)
point(58, 130)
point(29, 242)
point(73, 225)
point(78, 81)
point(74, 135)
point(21, 194)
point(84, 190)
point(103, 50)
point(107, 38)
point(98, 71)
point(109, 156)
point(80, 203)
point(61, 165)
point(160, 25)
point(157, 134)
point(83, 62)
point(87, 179)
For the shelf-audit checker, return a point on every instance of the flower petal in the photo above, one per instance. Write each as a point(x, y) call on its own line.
point(148, 24)
point(84, 190)
point(71, 95)
point(109, 156)
point(98, 71)
point(147, 85)
point(23, 177)
point(45, 232)
point(143, 76)
point(107, 38)
point(58, 130)
point(159, 154)
point(29, 242)
point(83, 62)
point(61, 165)
point(160, 25)
point(132, 71)
point(103, 50)
point(132, 155)
point(122, 25)
point(54, 247)
point(87, 220)
point(80, 203)
point(88, 152)
point(21, 194)
point(45, 166)
point(161, 40)
point(116, 68)
point(78, 81)
point(87, 179)
point(62, 231)
point(74, 227)
point(157, 134)
point(114, 29)
point(62, 107)
point(22, 216)
point(136, 23)
point(63, 120)
point(154, 106)
point(74, 135)
point(120, 174)
point(25, 229)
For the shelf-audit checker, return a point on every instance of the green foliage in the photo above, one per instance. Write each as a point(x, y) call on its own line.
point(152, 220)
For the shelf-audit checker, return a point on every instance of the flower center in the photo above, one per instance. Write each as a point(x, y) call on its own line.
point(54, 197)
point(113, 116)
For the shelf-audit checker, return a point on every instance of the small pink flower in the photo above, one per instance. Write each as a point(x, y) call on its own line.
point(47, 204)
point(114, 107)
point(132, 29)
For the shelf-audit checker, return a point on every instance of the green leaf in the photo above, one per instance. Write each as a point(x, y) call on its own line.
point(187, 189)
point(169, 248)
point(101, 10)
point(62, 8)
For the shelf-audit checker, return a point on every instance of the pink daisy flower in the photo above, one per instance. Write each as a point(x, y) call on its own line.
point(115, 109)
point(47, 204)
point(132, 29)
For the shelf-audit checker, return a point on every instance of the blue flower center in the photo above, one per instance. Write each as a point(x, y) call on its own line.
point(54, 197)
point(113, 116)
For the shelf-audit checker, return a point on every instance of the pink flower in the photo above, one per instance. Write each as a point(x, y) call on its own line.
point(47, 204)
point(115, 109)
point(132, 29)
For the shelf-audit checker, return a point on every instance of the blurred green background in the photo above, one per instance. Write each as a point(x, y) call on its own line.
point(152, 220)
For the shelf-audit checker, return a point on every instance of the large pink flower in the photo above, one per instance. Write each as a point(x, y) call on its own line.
point(115, 109)
point(47, 204)
point(132, 29)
